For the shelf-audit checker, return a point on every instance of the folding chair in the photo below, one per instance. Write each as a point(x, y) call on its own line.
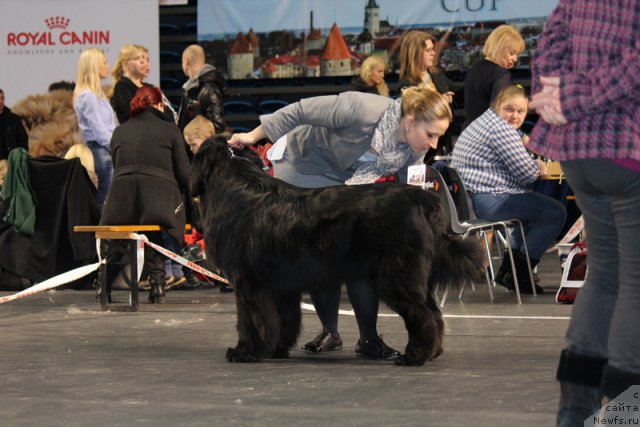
point(464, 207)
point(435, 183)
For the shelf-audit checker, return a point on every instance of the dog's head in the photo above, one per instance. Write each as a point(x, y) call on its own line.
point(212, 155)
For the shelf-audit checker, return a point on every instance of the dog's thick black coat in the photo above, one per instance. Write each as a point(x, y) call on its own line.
point(273, 241)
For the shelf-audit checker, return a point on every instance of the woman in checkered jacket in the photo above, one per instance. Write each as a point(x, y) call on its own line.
point(492, 161)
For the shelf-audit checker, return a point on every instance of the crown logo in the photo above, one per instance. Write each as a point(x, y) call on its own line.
point(57, 22)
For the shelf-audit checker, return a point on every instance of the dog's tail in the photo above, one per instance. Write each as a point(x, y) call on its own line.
point(457, 262)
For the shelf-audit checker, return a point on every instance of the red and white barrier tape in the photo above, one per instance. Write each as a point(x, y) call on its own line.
point(573, 232)
point(85, 270)
point(53, 282)
point(575, 229)
point(180, 260)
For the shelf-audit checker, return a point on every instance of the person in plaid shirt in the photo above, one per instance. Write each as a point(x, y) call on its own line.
point(497, 169)
point(586, 86)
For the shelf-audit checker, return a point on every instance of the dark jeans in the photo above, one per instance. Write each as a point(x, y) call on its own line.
point(605, 321)
point(541, 216)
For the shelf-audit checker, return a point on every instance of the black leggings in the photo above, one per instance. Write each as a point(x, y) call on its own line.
point(365, 305)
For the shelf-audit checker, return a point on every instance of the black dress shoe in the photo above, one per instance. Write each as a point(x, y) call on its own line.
point(523, 285)
point(376, 349)
point(526, 289)
point(225, 288)
point(325, 341)
point(505, 280)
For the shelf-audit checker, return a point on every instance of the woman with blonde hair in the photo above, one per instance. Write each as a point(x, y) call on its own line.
point(96, 119)
point(355, 138)
point(83, 153)
point(131, 68)
point(488, 76)
point(370, 79)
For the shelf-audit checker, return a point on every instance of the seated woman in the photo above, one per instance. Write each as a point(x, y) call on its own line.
point(497, 169)
point(82, 152)
point(150, 178)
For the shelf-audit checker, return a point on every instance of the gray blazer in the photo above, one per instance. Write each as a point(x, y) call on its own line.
point(327, 133)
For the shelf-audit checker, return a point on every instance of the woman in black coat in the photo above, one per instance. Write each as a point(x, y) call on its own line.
point(128, 73)
point(150, 178)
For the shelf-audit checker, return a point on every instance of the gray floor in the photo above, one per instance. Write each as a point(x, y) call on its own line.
point(66, 363)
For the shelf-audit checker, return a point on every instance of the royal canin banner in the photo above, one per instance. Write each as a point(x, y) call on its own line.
point(41, 40)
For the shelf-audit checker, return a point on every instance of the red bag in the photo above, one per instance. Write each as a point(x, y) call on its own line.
point(573, 274)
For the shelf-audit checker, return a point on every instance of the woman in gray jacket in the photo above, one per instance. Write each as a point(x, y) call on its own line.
point(351, 138)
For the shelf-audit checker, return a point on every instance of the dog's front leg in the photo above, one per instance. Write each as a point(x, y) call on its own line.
point(290, 323)
point(258, 325)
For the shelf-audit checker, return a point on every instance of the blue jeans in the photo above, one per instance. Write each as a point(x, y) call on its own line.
point(542, 218)
point(172, 268)
point(605, 321)
point(104, 169)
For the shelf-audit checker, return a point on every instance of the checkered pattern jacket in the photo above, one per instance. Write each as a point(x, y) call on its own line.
point(490, 157)
point(594, 47)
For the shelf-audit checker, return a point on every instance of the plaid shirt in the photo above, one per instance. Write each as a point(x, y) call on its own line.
point(593, 46)
point(490, 157)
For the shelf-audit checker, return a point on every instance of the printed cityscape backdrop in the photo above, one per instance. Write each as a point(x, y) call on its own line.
point(339, 51)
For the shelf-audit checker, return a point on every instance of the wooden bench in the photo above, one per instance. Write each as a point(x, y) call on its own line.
point(122, 236)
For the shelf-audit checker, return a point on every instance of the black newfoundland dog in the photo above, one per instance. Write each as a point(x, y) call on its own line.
point(273, 241)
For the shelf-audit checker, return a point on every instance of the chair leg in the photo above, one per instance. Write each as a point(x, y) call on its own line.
point(488, 277)
point(489, 285)
point(513, 270)
point(526, 253)
point(500, 245)
point(444, 296)
point(502, 240)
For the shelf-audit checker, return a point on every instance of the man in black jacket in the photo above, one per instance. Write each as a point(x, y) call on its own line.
point(203, 91)
point(12, 131)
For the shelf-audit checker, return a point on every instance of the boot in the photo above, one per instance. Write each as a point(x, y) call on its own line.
point(504, 276)
point(579, 377)
point(616, 381)
point(155, 264)
point(522, 270)
point(156, 293)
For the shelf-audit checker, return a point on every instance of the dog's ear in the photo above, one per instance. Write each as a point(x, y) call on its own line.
point(211, 153)
point(199, 169)
point(250, 153)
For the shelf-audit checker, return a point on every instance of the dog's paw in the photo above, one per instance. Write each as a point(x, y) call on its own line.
point(438, 353)
point(280, 354)
point(404, 360)
point(236, 356)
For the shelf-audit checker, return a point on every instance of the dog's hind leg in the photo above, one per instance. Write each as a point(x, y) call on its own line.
point(258, 323)
point(290, 323)
point(425, 342)
point(432, 305)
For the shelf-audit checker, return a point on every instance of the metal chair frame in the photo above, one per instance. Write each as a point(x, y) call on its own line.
point(436, 183)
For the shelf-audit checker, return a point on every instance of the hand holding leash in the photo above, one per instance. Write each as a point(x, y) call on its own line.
point(239, 140)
